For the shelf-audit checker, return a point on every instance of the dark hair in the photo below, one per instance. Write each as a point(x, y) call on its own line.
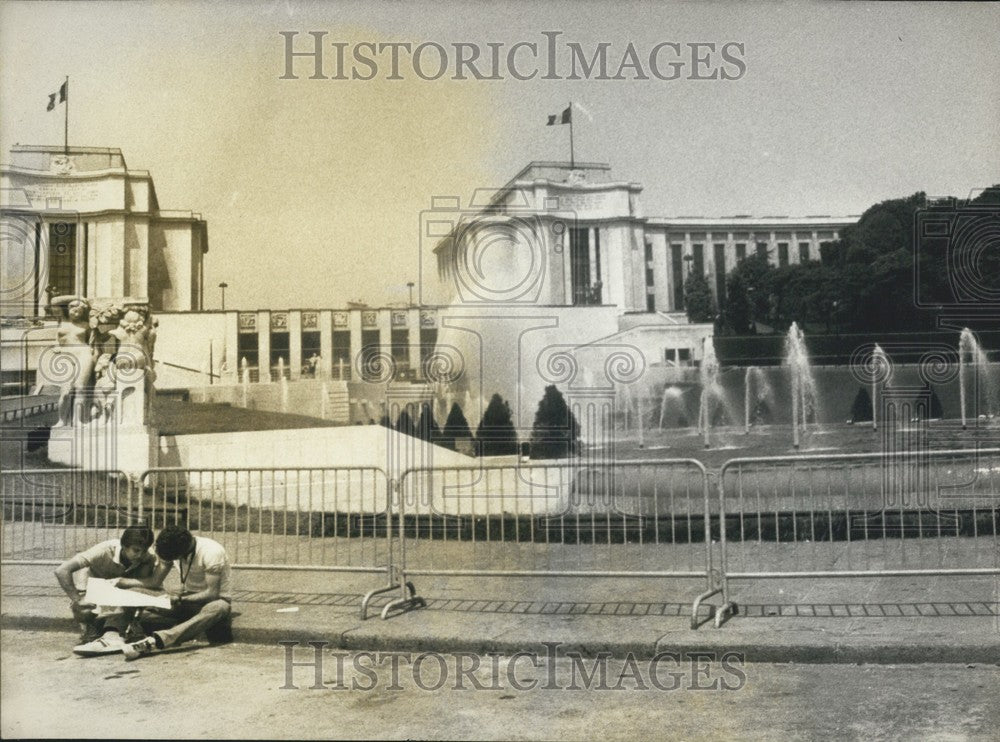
point(141, 536)
point(173, 543)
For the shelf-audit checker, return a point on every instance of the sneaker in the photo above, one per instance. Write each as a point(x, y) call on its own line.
point(138, 649)
point(89, 634)
point(134, 633)
point(107, 644)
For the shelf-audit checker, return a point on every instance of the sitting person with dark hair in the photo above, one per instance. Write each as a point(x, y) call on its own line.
point(203, 604)
point(127, 560)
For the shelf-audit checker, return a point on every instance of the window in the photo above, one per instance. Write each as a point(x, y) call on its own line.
point(649, 251)
point(684, 355)
point(579, 250)
point(698, 251)
point(782, 254)
point(677, 268)
point(649, 277)
point(371, 364)
point(762, 248)
point(62, 258)
point(247, 349)
point(650, 302)
point(803, 252)
point(310, 348)
point(719, 250)
point(428, 339)
point(280, 344)
point(341, 354)
point(741, 251)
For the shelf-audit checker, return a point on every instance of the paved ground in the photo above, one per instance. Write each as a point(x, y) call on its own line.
point(894, 620)
point(235, 691)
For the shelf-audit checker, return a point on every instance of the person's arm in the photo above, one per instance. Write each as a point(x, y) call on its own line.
point(211, 591)
point(153, 582)
point(64, 574)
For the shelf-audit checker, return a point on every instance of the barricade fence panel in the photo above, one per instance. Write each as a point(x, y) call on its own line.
point(331, 518)
point(51, 514)
point(569, 518)
point(921, 512)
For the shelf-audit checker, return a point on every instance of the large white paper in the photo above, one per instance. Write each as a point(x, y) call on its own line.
point(104, 593)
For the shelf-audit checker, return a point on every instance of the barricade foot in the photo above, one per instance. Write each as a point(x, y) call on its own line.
point(695, 623)
point(402, 605)
point(728, 609)
point(371, 594)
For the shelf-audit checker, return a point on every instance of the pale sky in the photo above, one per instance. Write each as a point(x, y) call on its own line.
point(313, 189)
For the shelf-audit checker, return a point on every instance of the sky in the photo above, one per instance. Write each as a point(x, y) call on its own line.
point(313, 188)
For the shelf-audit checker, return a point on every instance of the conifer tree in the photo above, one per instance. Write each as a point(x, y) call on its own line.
point(556, 433)
point(496, 435)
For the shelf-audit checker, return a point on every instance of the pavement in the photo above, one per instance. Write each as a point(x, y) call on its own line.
point(882, 621)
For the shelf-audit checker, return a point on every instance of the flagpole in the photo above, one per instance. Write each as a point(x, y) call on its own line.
point(66, 121)
point(572, 162)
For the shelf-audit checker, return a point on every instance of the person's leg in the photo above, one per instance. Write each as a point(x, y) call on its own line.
point(110, 638)
point(90, 627)
point(204, 618)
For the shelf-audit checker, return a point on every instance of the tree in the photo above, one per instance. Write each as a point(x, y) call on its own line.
point(748, 291)
point(427, 428)
point(698, 300)
point(861, 407)
point(404, 424)
point(496, 435)
point(456, 427)
point(556, 432)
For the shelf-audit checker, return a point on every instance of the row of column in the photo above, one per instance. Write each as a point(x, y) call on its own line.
point(663, 277)
point(325, 321)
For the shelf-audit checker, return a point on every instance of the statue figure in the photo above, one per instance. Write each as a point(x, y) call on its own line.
point(133, 372)
point(105, 344)
point(73, 336)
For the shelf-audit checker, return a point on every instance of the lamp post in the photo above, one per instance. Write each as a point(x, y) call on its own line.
point(410, 285)
point(223, 286)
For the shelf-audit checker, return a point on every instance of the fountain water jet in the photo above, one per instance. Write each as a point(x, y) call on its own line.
point(669, 392)
point(283, 384)
point(968, 343)
point(754, 379)
point(245, 378)
point(709, 388)
point(881, 366)
point(803, 383)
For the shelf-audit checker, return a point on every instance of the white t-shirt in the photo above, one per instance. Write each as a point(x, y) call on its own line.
point(209, 558)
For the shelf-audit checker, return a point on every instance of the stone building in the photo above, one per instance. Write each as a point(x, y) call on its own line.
point(81, 222)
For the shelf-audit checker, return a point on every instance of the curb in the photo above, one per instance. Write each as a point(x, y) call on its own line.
point(929, 650)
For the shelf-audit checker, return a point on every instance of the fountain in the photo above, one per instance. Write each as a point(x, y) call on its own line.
point(283, 384)
point(709, 388)
point(669, 393)
point(881, 370)
point(754, 379)
point(245, 378)
point(968, 343)
point(803, 384)
point(639, 416)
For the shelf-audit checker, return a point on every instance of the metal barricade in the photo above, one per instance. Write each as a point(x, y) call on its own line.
point(50, 514)
point(297, 518)
point(914, 513)
point(623, 519)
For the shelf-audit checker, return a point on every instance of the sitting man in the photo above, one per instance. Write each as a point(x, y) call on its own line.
point(128, 560)
point(203, 604)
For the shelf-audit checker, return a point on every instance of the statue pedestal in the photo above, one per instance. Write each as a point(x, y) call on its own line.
point(132, 450)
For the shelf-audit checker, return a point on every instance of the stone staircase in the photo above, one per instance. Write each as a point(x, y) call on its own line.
point(337, 405)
